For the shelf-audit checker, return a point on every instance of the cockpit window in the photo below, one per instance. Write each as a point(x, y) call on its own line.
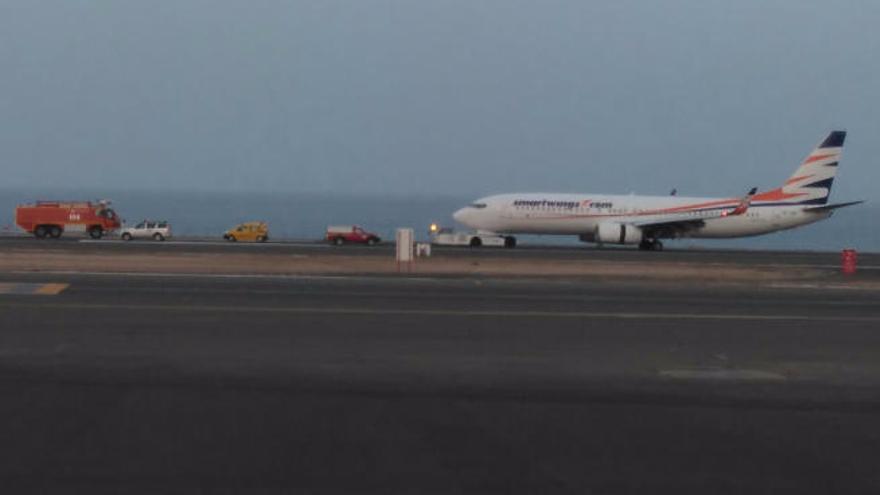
point(478, 206)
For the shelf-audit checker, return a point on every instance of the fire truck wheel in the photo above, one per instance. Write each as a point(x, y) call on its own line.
point(55, 231)
point(96, 232)
point(158, 237)
point(339, 241)
point(40, 232)
point(372, 241)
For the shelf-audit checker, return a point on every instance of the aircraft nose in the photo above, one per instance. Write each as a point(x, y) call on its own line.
point(460, 215)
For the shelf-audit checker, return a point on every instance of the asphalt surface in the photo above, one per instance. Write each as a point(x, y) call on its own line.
point(360, 385)
point(868, 262)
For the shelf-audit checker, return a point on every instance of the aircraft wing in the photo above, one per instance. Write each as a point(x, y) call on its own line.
point(674, 224)
point(675, 218)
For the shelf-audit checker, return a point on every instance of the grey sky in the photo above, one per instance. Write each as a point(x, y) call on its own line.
point(421, 97)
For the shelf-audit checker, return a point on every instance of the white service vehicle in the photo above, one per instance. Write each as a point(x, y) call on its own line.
point(449, 237)
point(158, 230)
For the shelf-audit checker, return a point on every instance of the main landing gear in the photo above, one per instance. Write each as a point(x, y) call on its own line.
point(651, 245)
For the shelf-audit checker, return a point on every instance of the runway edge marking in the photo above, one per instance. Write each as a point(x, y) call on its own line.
point(32, 289)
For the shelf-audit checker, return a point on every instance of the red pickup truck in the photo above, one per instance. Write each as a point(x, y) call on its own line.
point(343, 234)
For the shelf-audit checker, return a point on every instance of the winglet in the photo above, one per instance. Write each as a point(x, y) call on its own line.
point(744, 203)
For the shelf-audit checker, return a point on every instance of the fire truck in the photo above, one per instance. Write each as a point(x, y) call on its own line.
point(52, 218)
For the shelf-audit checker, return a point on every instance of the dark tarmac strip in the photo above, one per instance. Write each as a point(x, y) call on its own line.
point(387, 385)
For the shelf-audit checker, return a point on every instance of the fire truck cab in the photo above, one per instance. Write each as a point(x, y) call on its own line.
point(53, 218)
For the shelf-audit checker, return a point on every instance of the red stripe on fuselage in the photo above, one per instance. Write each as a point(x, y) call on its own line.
point(677, 209)
point(772, 195)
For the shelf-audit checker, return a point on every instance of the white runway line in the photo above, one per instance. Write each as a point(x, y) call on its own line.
point(721, 374)
point(355, 311)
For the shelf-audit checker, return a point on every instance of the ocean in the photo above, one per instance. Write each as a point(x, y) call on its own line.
point(305, 216)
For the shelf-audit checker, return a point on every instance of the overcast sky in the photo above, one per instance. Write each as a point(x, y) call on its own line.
point(446, 97)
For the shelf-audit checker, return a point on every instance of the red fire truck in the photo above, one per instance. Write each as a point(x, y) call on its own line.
point(53, 218)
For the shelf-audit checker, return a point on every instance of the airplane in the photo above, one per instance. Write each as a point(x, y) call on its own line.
point(645, 220)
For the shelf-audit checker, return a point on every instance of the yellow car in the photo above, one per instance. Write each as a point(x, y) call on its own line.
point(248, 232)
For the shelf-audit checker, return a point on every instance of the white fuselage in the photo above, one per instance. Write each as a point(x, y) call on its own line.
point(581, 214)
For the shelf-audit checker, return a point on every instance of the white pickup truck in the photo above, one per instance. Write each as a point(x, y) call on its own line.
point(449, 237)
point(158, 230)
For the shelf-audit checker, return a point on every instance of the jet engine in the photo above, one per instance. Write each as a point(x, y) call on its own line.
point(618, 233)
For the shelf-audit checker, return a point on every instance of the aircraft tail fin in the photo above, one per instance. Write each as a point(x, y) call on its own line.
point(811, 182)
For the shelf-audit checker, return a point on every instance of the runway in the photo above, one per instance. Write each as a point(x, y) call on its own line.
point(868, 262)
point(435, 385)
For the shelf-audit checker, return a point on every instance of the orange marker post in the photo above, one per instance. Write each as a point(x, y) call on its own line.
point(849, 261)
